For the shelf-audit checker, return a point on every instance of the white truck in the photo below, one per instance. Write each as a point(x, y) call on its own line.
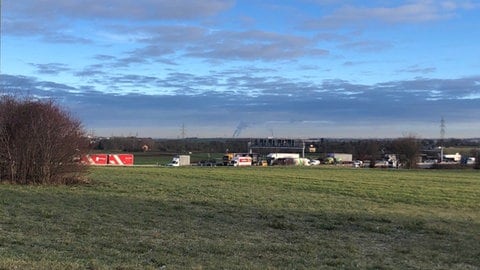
point(338, 158)
point(283, 158)
point(180, 160)
point(241, 161)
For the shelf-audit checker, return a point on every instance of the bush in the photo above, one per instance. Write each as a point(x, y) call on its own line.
point(451, 166)
point(408, 148)
point(39, 143)
point(477, 160)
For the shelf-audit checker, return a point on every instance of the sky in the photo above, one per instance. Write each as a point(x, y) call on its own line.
point(249, 68)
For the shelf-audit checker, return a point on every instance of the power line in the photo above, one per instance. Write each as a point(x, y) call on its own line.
point(183, 132)
point(442, 129)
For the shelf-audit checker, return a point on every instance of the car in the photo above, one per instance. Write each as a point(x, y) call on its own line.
point(210, 163)
point(314, 162)
point(357, 163)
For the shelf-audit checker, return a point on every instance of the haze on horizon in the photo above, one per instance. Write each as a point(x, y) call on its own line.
point(245, 68)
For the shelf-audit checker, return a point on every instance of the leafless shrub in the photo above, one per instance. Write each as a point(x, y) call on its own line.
point(408, 149)
point(476, 154)
point(39, 143)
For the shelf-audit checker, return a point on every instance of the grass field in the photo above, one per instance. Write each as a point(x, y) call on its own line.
point(245, 218)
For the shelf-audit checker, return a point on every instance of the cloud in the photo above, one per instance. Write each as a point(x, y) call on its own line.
point(54, 32)
point(160, 62)
point(138, 10)
point(423, 89)
point(104, 57)
point(57, 21)
point(418, 69)
point(162, 42)
point(353, 63)
point(255, 88)
point(277, 100)
point(255, 45)
point(30, 86)
point(51, 68)
point(91, 71)
point(366, 46)
point(411, 12)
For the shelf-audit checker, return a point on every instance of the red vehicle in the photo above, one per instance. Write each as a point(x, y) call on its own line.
point(108, 159)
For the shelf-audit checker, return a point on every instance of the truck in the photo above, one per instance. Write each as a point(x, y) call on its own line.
point(241, 161)
point(180, 160)
point(338, 158)
point(283, 158)
point(229, 157)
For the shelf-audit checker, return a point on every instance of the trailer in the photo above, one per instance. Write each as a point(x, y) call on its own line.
point(120, 159)
point(180, 160)
point(108, 159)
point(95, 159)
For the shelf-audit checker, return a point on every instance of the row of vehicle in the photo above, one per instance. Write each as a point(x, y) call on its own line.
point(247, 159)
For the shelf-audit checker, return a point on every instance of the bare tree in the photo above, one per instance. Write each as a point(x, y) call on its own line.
point(476, 154)
point(368, 150)
point(39, 143)
point(477, 161)
point(408, 148)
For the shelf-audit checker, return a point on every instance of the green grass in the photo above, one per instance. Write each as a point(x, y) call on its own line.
point(245, 218)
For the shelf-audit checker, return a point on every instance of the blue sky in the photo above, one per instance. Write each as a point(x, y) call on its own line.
point(304, 68)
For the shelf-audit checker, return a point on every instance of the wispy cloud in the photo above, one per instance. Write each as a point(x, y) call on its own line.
point(121, 9)
point(412, 12)
point(51, 68)
point(198, 42)
point(366, 46)
point(418, 69)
